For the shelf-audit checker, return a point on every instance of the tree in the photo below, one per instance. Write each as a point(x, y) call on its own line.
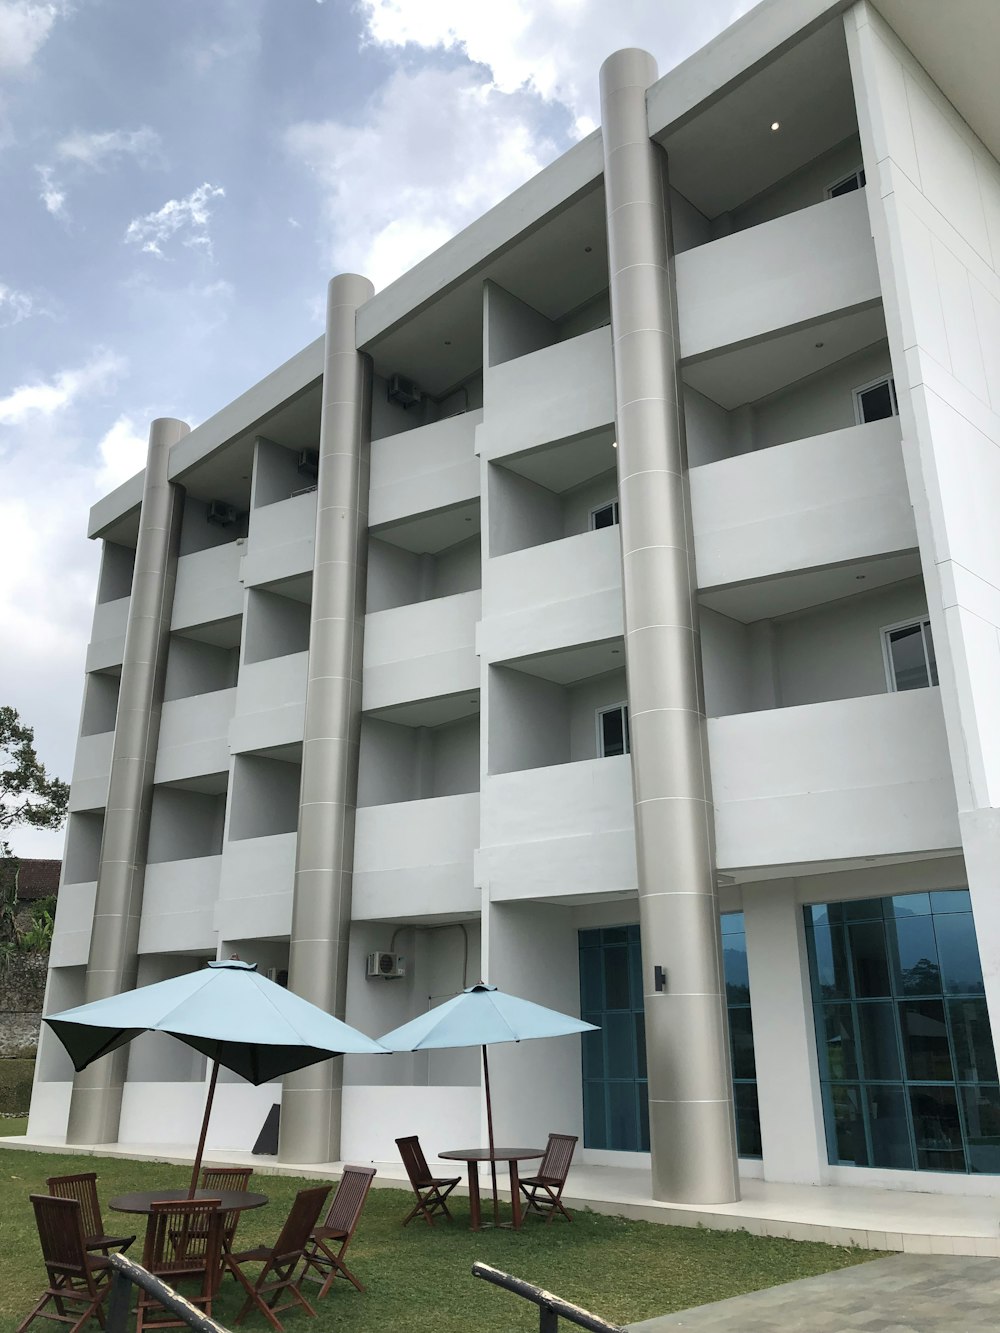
point(28, 796)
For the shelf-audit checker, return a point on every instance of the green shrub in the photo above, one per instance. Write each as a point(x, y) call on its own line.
point(15, 1086)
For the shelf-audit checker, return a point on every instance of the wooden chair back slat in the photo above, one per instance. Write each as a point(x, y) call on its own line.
point(226, 1177)
point(184, 1236)
point(414, 1161)
point(348, 1201)
point(299, 1223)
point(558, 1156)
point(83, 1188)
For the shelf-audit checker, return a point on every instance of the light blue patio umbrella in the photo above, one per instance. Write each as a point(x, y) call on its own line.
point(228, 1012)
point(481, 1016)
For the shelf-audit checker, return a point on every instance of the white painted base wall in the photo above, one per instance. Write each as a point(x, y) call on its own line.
point(374, 1117)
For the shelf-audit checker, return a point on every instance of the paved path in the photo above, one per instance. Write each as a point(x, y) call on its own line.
point(906, 1293)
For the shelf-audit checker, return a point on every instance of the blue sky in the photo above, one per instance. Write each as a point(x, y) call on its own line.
point(182, 177)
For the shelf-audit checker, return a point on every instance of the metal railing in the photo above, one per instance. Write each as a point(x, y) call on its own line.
point(550, 1306)
point(128, 1274)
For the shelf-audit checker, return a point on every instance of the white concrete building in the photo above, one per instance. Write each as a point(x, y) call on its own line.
point(828, 309)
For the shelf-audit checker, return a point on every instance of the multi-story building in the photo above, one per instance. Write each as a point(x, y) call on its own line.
point(628, 566)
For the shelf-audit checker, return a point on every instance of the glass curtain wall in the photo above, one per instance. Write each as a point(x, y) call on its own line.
point(907, 1063)
point(615, 1106)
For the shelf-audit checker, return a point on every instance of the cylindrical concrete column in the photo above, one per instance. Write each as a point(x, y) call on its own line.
point(691, 1122)
point(95, 1106)
point(324, 861)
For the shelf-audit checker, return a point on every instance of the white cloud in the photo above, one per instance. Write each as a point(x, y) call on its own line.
point(52, 195)
point(122, 453)
point(98, 148)
point(47, 398)
point(187, 219)
point(435, 149)
point(552, 47)
point(15, 305)
point(24, 28)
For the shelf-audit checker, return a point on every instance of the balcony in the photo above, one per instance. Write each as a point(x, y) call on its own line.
point(208, 586)
point(282, 540)
point(194, 736)
point(809, 265)
point(560, 832)
point(550, 597)
point(255, 890)
point(107, 637)
point(270, 703)
point(415, 859)
point(178, 906)
point(419, 471)
point(838, 499)
point(423, 651)
point(826, 782)
point(91, 772)
point(558, 392)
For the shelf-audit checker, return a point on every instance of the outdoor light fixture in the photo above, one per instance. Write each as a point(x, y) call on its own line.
point(775, 124)
point(660, 977)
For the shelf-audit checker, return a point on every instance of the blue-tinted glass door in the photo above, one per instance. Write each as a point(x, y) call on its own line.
point(615, 1108)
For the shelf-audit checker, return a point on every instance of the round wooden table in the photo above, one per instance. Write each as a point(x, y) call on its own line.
point(473, 1156)
point(231, 1201)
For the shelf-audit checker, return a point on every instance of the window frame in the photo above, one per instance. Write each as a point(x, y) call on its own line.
point(608, 504)
point(856, 393)
point(626, 733)
point(856, 174)
point(886, 630)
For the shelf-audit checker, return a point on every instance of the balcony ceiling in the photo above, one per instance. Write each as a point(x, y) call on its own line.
point(567, 463)
point(751, 371)
point(436, 712)
point(726, 153)
point(570, 665)
point(434, 532)
point(785, 594)
point(549, 267)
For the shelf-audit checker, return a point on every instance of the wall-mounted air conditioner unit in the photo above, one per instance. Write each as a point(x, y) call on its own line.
point(386, 965)
point(220, 513)
point(403, 391)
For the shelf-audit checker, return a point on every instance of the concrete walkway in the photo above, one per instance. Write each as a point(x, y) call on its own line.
point(906, 1293)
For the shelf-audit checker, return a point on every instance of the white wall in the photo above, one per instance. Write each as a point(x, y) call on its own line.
point(522, 513)
point(194, 667)
point(820, 403)
point(725, 664)
point(264, 798)
point(709, 429)
point(528, 722)
point(275, 626)
point(835, 651)
point(579, 503)
point(512, 328)
point(584, 701)
point(185, 824)
point(802, 188)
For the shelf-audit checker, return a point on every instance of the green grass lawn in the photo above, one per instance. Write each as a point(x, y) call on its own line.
point(13, 1124)
point(419, 1278)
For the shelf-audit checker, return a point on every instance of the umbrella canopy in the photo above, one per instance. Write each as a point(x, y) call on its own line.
point(227, 1011)
point(481, 1016)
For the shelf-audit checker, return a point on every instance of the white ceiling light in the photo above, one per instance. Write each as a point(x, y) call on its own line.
point(775, 124)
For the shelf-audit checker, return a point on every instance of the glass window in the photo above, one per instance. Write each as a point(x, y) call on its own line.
point(737, 979)
point(907, 1064)
point(909, 656)
point(875, 402)
point(855, 181)
point(606, 516)
point(612, 731)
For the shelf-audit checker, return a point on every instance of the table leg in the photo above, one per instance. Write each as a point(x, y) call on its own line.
point(474, 1213)
point(515, 1196)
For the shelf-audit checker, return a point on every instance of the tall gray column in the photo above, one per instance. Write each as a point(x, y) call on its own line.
point(691, 1121)
point(324, 860)
point(112, 965)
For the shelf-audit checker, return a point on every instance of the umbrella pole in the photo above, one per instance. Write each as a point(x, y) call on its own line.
point(204, 1128)
point(489, 1127)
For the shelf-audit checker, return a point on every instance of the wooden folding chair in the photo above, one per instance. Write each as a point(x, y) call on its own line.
point(280, 1271)
point(227, 1178)
point(78, 1281)
point(543, 1192)
point(83, 1188)
point(339, 1225)
point(431, 1192)
point(183, 1243)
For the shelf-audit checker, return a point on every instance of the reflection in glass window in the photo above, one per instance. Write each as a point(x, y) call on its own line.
point(907, 1063)
point(612, 731)
point(737, 976)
